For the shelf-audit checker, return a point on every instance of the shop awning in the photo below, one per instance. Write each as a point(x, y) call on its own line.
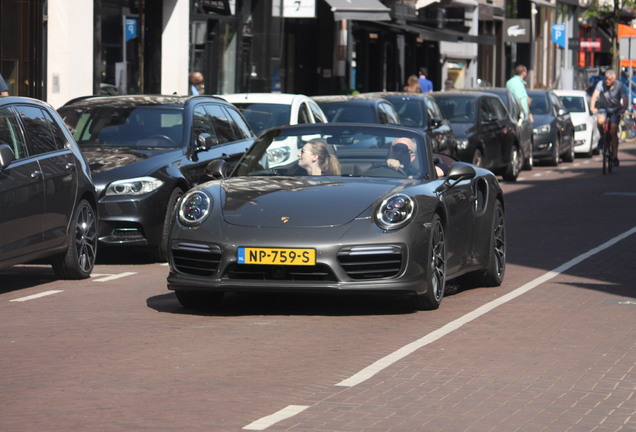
point(445, 35)
point(360, 10)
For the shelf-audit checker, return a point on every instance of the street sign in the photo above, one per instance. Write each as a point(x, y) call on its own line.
point(558, 34)
point(131, 28)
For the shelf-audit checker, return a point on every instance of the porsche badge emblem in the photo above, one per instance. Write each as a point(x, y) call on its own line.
point(285, 219)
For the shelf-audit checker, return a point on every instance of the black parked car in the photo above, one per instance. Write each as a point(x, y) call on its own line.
point(48, 204)
point(352, 109)
point(486, 134)
point(145, 152)
point(524, 125)
point(421, 111)
point(553, 128)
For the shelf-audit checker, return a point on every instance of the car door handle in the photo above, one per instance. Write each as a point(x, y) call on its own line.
point(69, 166)
point(36, 174)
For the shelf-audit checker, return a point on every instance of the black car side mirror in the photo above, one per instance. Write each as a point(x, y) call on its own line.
point(206, 141)
point(460, 171)
point(437, 122)
point(6, 156)
point(216, 169)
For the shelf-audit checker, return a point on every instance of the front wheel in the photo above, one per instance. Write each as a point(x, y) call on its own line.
point(436, 265)
point(554, 157)
point(514, 165)
point(494, 273)
point(569, 156)
point(161, 252)
point(79, 259)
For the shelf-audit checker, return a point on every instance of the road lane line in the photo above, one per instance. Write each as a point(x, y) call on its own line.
point(267, 421)
point(114, 276)
point(36, 296)
point(399, 354)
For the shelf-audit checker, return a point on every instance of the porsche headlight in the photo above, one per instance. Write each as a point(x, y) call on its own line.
point(135, 186)
point(542, 130)
point(395, 212)
point(194, 208)
point(278, 155)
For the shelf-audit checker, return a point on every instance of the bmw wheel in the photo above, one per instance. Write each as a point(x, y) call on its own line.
point(436, 278)
point(79, 259)
point(514, 165)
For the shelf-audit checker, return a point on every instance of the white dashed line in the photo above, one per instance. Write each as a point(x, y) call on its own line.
point(107, 278)
point(387, 361)
point(37, 296)
point(285, 413)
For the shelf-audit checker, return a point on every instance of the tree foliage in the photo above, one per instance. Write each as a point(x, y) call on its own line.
point(611, 13)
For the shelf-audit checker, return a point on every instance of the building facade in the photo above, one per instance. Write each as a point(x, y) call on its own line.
point(56, 50)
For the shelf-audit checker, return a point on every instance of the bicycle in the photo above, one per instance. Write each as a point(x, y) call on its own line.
point(609, 160)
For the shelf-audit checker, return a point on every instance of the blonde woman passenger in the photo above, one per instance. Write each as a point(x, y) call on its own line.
point(315, 158)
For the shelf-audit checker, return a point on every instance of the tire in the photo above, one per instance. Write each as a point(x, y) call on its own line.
point(514, 166)
point(554, 158)
point(528, 161)
point(569, 156)
point(494, 273)
point(160, 254)
point(79, 259)
point(436, 265)
point(478, 158)
point(199, 300)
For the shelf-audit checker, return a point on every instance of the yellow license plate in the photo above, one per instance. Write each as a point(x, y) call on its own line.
point(278, 256)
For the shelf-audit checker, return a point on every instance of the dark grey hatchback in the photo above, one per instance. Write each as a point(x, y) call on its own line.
point(145, 152)
point(48, 204)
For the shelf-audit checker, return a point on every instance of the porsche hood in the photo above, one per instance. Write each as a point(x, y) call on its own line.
point(300, 202)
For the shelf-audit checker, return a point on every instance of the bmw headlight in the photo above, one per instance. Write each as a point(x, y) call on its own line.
point(580, 127)
point(462, 144)
point(542, 130)
point(135, 186)
point(395, 212)
point(194, 208)
point(278, 155)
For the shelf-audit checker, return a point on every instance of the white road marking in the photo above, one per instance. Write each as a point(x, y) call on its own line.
point(111, 277)
point(387, 361)
point(265, 422)
point(36, 296)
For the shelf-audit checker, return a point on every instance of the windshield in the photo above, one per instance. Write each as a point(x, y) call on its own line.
point(261, 116)
point(573, 103)
point(348, 113)
point(539, 103)
point(355, 151)
point(136, 127)
point(458, 109)
point(411, 111)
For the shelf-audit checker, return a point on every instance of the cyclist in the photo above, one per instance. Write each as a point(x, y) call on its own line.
point(609, 100)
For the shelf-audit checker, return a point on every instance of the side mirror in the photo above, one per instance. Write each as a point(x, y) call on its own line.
point(206, 141)
point(436, 122)
point(6, 156)
point(216, 169)
point(460, 171)
point(562, 112)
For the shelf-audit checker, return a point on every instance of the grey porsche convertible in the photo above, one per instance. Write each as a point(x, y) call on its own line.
point(363, 208)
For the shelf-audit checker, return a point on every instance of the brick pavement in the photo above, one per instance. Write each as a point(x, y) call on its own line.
point(572, 367)
point(559, 358)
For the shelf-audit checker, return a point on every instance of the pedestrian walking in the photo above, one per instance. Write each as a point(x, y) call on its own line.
point(412, 85)
point(196, 83)
point(425, 84)
point(517, 85)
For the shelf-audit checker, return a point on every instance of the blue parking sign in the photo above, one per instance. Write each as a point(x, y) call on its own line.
point(558, 34)
point(131, 28)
